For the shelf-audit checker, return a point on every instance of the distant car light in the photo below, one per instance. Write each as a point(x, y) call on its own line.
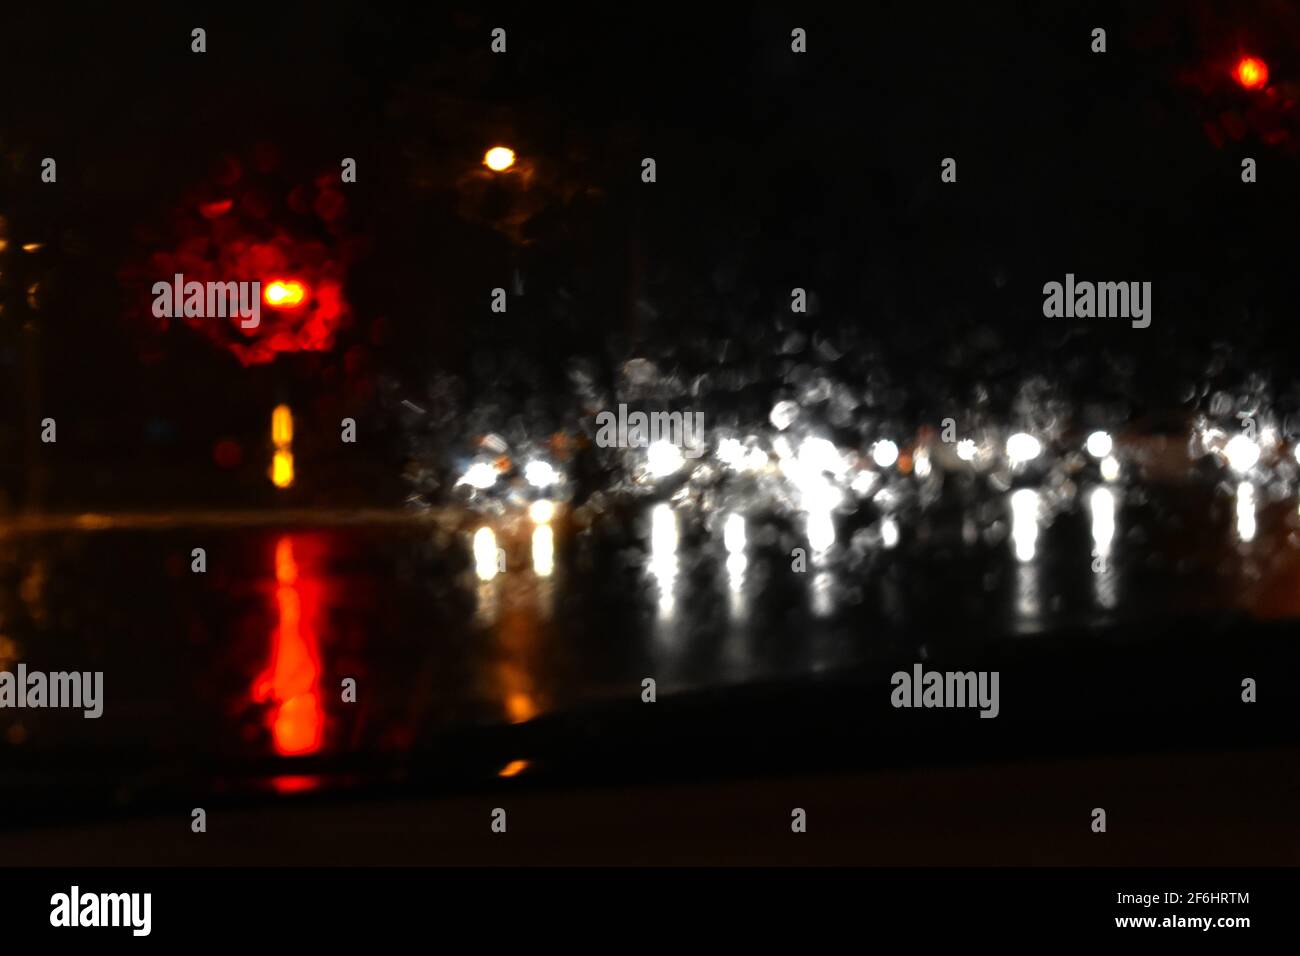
point(499, 159)
point(1023, 447)
point(663, 458)
point(884, 453)
point(481, 475)
point(1099, 444)
point(282, 425)
point(282, 469)
point(1251, 72)
point(1242, 453)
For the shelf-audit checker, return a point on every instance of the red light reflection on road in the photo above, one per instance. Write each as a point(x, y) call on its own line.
point(216, 208)
point(291, 683)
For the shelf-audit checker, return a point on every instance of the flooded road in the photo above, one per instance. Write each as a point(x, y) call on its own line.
point(307, 655)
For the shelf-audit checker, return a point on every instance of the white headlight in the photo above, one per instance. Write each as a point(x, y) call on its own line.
point(1023, 447)
point(884, 453)
point(540, 474)
point(1099, 444)
point(663, 458)
point(1242, 453)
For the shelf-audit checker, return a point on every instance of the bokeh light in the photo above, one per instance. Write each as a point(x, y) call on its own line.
point(499, 159)
point(282, 294)
point(1251, 72)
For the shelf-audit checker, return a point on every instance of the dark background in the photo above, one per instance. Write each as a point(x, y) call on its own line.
point(774, 170)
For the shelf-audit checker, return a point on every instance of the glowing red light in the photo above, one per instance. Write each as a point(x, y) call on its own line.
point(284, 294)
point(216, 208)
point(295, 783)
point(291, 683)
point(302, 279)
point(1251, 72)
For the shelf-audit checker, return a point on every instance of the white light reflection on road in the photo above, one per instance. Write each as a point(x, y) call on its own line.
point(663, 556)
point(544, 567)
point(820, 530)
point(543, 551)
point(1246, 526)
point(1102, 505)
point(485, 554)
point(1024, 523)
point(1024, 535)
point(486, 566)
point(823, 597)
point(733, 537)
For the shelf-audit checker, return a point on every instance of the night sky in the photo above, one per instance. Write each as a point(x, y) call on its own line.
point(1128, 576)
point(775, 170)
